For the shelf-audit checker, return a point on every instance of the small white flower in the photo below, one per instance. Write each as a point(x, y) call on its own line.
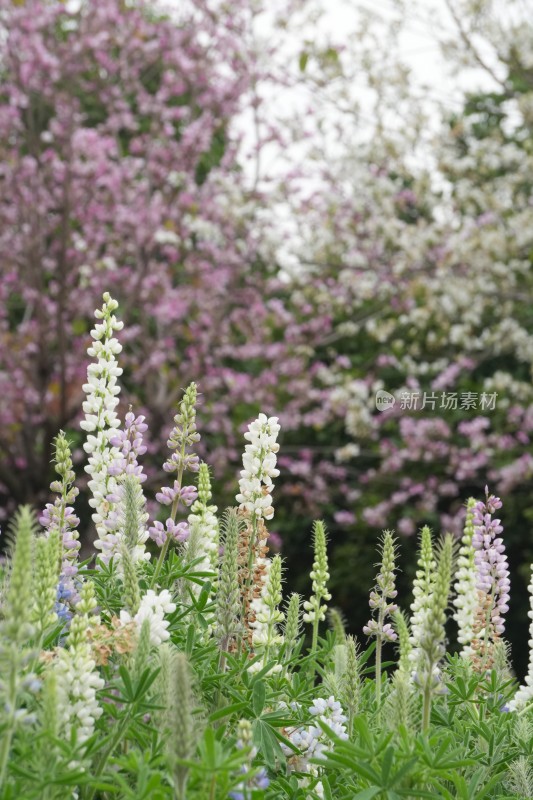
point(153, 607)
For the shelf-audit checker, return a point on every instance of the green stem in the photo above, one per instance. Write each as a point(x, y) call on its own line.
point(212, 789)
point(426, 713)
point(379, 645)
point(378, 669)
point(316, 623)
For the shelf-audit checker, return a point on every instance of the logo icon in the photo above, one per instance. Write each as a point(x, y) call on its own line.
point(384, 400)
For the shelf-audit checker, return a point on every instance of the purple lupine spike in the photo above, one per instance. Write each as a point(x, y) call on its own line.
point(490, 558)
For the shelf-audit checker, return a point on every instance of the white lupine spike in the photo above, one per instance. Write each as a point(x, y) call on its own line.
point(101, 420)
point(466, 598)
point(259, 462)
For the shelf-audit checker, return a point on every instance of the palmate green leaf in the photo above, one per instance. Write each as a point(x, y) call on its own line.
point(267, 743)
point(258, 697)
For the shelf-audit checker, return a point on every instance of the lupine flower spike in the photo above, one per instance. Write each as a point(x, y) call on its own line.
point(492, 581)
point(61, 517)
point(431, 635)
point(266, 636)
point(422, 591)
point(384, 591)
point(255, 505)
point(127, 520)
point(228, 601)
point(315, 612)
point(77, 679)
point(203, 518)
point(182, 438)
point(465, 600)
point(101, 420)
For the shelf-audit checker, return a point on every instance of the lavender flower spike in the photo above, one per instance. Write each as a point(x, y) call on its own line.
point(490, 559)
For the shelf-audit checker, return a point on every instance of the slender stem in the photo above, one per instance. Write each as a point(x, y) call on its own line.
point(426, 713)
point(316, 623)
point(379, 645)
point(212, 789)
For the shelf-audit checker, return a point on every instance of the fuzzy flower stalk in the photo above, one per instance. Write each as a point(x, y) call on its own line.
point(465, 600)
point(228, 605)
point(16, 631)
point(523, 699)
point(101, 420)
point(492, 580)
point(431, 634)
point(315, 612)
point(203, 521)
point(182, 439)
point(423, 586)
point(59, 519)
point(384, 591)
point(266, 636)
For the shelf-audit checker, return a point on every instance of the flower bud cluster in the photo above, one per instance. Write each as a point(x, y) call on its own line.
point(431, 637)
point(100, 416)
point(44, 613)
point(153, 608)
point(385, 590)
point(61, 517)
point(423, 586)
point(203, 516)
point(466, 583)
point(490, 559)
point(183, 436)
point(314, 610)
point(259, 467)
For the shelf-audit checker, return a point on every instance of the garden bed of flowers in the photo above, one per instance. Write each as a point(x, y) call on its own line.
point(174, 665)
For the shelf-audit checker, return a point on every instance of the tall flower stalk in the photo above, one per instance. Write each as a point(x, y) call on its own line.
point(255, 505)
point(182, 438)
point(492, 580)
point(465, 600)
point(16, 631)
point(431, 634)
point(314, 610)
point(380, 596)
point(60, 517)
point(101, 420)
